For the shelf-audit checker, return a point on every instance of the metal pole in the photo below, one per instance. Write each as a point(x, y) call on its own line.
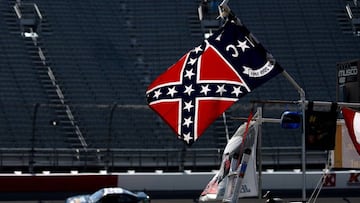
point(259, 144)
point(107, 160)
point(32, 152)
point(224, 10)
point(320, 103)
point(303, 152)
point(182, 158)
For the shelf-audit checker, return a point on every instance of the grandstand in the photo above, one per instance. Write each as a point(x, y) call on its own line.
point(73, 97)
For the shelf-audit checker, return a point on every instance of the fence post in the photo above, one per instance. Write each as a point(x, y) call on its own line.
point(33, 134)
point(107, 159)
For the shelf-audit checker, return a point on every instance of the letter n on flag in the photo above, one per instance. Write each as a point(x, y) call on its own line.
point(191, 94)
point(352, 121)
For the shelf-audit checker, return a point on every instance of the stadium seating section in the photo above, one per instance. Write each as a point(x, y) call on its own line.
point(81, 83)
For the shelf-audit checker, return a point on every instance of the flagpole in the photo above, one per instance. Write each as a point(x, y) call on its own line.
point(303, 152)
point(225, 11)
point(259, 144)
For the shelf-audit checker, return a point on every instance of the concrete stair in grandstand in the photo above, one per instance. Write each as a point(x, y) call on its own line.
point(57, 97)
point(36, 49)
point(17, 77)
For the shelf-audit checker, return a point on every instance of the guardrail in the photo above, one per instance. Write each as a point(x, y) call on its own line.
point(63, 159)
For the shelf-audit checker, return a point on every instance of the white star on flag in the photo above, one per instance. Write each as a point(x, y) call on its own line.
point(197, 49)
point(242, 45)
point(187, 137)
point(236, 91)
point(157, 94)
point(187, 122)
point(221, 89)
point(171, 91)
point(192, 61)
point(188, 106)
point(205, 89)
point(189, 74)
point(188, 89)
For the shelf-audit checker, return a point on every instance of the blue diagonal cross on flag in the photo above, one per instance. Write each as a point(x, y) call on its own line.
point(207, 80)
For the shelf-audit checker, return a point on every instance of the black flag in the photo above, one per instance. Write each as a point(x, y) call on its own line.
point(320, 127)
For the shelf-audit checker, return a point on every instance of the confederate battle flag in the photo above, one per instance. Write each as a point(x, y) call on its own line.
point(352, 121)
point(206, 81)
